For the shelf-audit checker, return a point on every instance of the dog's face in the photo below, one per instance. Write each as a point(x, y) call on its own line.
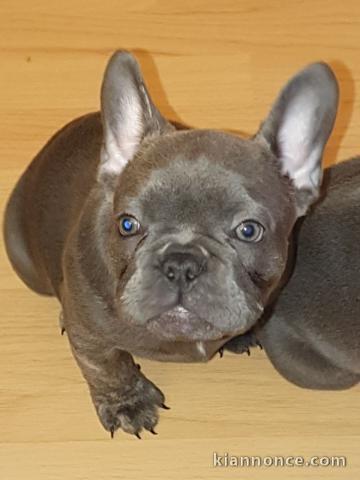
point(207, 244)
point(203, 217)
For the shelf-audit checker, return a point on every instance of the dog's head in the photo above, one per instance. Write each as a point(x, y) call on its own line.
point(203, 217)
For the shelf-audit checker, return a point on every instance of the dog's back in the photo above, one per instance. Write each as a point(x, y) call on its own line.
point(313, 336)
point(46, 200)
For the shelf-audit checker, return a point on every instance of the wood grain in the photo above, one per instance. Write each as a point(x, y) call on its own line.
point(210, 64)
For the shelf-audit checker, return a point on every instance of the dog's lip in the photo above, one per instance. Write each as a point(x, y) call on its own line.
point(180, 323)
point(177, 311)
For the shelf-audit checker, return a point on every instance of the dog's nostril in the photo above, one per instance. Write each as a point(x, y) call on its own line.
point(190, 274)
point(169, 272)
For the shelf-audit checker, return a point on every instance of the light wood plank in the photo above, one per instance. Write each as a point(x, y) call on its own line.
point(211, 64)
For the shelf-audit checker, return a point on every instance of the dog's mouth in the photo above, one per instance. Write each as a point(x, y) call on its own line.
point(179, 324)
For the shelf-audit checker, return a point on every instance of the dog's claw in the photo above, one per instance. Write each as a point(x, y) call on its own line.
point(153, 431)
point(63, 330)
point(138, 366)
point(138, 435)
point(221, 352)
point(248, 351)
point(112, 430)
point(165, 407)
point(259, 344)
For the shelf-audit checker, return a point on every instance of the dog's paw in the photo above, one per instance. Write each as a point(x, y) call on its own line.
point(132, 409)
point(242, 343)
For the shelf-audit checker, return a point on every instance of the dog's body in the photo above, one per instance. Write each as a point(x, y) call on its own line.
point(48, 200)
point(159, 242)
point(313, 336)
point(312, 331)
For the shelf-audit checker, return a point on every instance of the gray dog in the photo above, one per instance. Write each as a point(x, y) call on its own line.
point(311, 332)
point(166, 243)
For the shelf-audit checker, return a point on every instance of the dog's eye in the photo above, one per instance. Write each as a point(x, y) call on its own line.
point(250, 231)
point(128, 225)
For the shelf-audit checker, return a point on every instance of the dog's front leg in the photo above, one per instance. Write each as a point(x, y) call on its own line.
point(123, 397)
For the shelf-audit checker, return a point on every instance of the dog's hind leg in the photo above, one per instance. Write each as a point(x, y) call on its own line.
point(17, 242)
point(298, 361)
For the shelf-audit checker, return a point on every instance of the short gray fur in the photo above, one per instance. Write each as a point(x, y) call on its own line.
point(189, 189)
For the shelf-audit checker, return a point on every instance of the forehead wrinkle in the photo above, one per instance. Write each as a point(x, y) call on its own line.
point(200, 172)
point(188, 187)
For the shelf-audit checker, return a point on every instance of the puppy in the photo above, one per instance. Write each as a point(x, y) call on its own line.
point(160, 242)
point(311, 332)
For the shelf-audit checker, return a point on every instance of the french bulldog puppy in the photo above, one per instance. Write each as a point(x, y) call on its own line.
point(311, 332)
point(159, 242)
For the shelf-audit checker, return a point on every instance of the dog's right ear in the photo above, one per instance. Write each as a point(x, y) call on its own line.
point(127, 111)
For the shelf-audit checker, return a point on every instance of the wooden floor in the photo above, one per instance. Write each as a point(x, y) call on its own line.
point(209, 63)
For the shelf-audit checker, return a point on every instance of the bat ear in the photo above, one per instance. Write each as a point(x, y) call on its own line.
point(127, 111)
point(298, 127)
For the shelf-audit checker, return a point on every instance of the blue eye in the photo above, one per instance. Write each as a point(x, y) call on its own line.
point(128, 225)
point(250, 231)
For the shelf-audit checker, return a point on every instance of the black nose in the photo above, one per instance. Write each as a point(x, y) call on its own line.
point(183, 265)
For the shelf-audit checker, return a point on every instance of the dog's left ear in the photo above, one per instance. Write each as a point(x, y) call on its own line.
point(127, 111)
point(299, 126)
